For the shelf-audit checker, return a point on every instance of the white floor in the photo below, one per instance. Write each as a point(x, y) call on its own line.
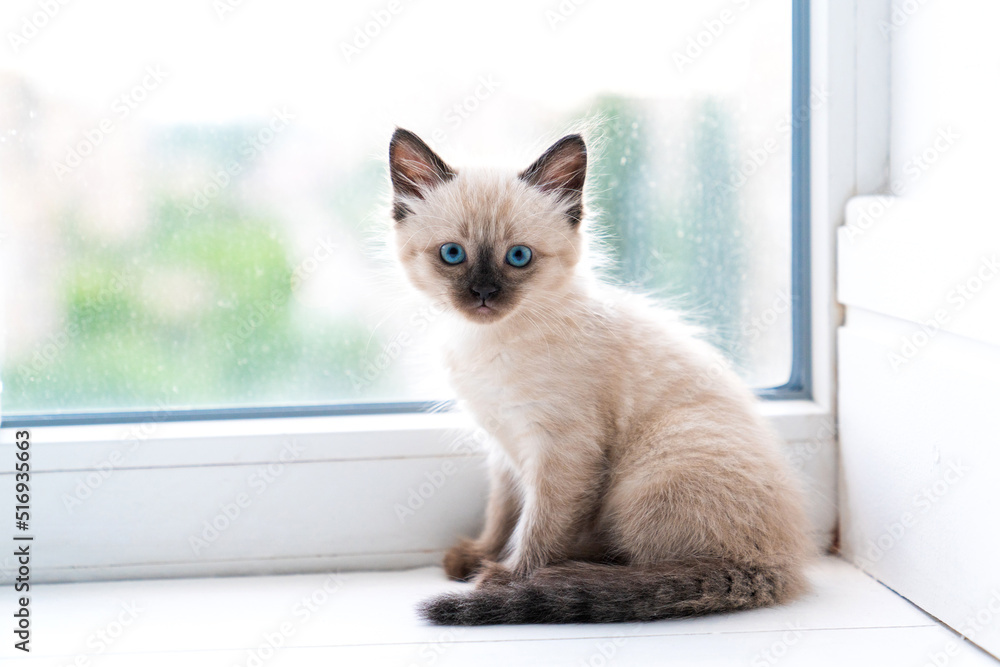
point(368, 619)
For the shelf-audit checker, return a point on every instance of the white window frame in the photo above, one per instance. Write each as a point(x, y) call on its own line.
point(334, 509)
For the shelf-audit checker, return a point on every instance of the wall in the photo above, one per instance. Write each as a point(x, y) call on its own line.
point(919, 353)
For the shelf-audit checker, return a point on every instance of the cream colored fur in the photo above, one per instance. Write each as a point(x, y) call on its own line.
point(620, 436)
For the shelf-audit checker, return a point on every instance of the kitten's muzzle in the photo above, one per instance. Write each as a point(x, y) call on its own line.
point(484, 292)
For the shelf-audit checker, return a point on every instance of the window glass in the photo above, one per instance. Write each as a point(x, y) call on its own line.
point(193, 194)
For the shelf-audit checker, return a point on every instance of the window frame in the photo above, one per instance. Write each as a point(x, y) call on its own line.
point(799, 383)
point(175, 442)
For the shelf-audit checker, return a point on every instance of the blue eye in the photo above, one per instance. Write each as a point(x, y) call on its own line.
point(452, 253)
point(519, 256)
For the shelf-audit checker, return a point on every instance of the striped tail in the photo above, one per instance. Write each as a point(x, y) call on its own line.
point(579, 592)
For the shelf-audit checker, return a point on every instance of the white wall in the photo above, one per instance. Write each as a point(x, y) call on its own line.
point(919, 354)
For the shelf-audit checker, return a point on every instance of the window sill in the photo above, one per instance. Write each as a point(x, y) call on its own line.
point(365, 618)
point(340, 438)
point(269, 496)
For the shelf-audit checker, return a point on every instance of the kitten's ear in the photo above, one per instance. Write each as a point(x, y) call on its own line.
point(414, 169)
point(562, 169)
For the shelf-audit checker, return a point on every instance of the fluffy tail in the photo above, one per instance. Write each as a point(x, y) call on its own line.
point(577, 592)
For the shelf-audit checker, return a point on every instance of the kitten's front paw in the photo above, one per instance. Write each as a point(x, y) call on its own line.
point(463, 560)
point(494, 574)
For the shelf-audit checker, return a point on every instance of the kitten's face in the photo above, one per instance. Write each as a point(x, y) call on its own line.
point(487, 244)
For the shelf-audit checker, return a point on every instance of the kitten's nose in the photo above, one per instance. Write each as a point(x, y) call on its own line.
point(484, 292)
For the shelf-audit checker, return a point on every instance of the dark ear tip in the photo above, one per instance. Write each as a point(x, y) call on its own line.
point(403, 135)
point(574, 138)
point(399, 135)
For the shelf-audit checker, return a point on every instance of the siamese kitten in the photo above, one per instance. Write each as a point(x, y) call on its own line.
point(632, 478)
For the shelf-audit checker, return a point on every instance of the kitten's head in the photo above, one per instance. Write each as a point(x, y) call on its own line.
point(485, 243)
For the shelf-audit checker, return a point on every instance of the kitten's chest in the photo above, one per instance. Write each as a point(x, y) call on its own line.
point(508, 389)
point(490, 376)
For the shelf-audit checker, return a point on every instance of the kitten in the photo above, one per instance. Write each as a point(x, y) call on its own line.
point(632, 477)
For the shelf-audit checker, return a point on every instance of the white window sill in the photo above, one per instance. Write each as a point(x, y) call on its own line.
point(368, 619)
point(193, 443)
point(293, 495)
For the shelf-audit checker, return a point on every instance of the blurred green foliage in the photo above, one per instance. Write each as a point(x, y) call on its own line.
point(197, 309)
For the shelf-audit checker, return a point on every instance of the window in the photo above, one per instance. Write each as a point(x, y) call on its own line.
point(193, 192)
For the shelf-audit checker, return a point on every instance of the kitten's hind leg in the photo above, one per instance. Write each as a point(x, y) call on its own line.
point(466, 558)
